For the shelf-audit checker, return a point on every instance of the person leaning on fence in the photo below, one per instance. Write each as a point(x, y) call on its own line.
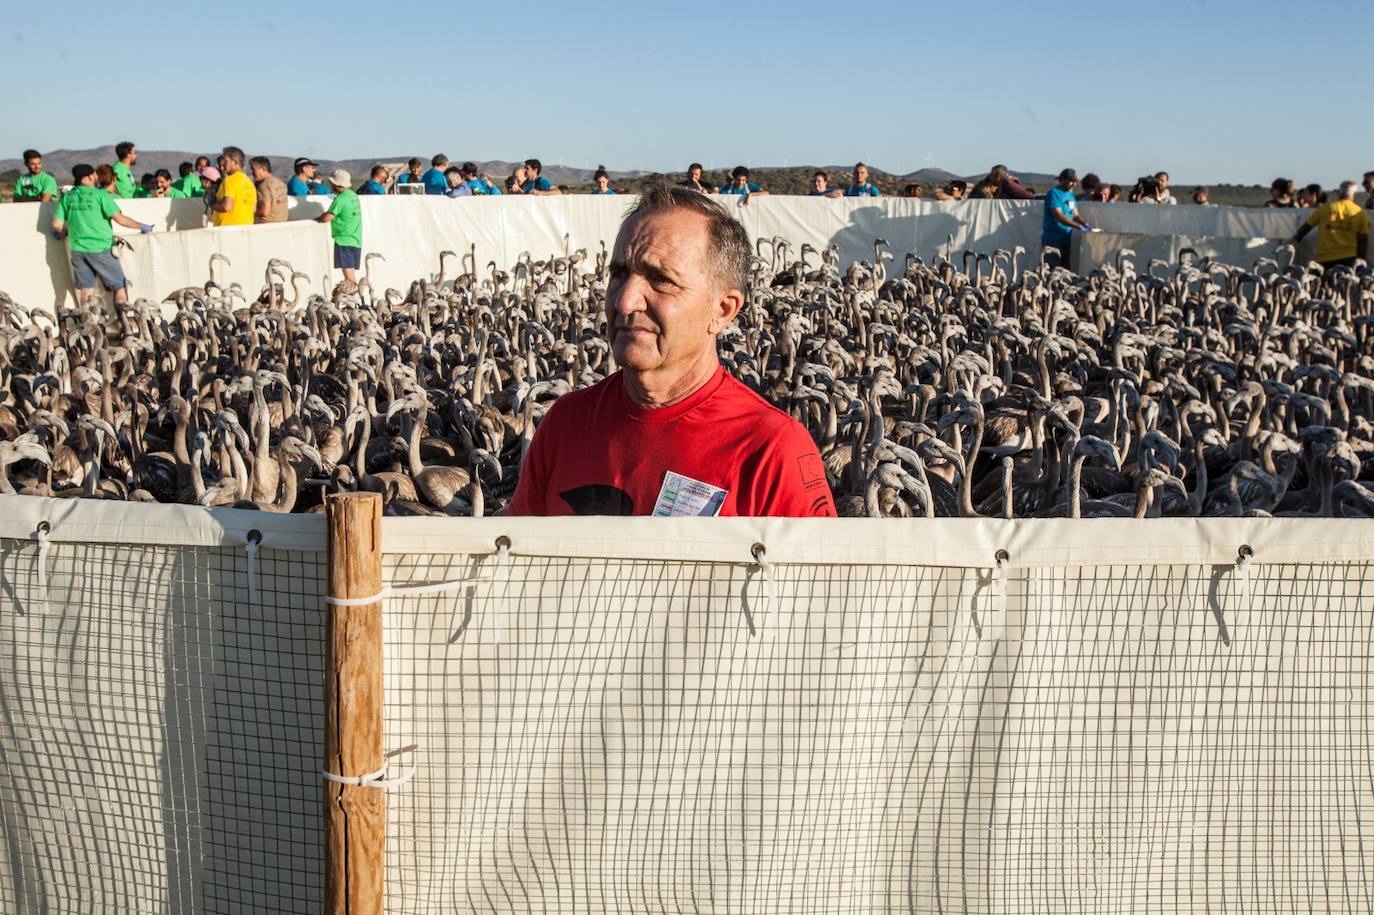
point(603, 181)
point(83, 218)
point(236, 200)
point(34, 184)
point(457, 187)
point(345, 218)
point(1342, 229)
point(740, 185)
point(271, 206)
point(695, 181)
point(672, 433)
point(536, 184)
point(481, 184)
point(820, 186)
point(861, 186)
point(1061, 218)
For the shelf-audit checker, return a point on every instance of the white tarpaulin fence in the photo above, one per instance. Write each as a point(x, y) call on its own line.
point(646, 714)
point(411, 232)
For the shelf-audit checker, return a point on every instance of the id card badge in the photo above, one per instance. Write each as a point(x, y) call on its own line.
point(684, 497)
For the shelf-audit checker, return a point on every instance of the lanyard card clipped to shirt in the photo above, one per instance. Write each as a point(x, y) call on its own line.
point(684, 497)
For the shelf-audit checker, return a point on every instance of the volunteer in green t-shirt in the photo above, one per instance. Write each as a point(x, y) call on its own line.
point(188, 185)
point(35, 184)
point(83, 218)
point(127, 155)
point(345, 218)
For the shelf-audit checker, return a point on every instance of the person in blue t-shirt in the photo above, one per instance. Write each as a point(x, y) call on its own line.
point(861, 186)
point(1061, 218)
point(603, 181)
point(741, 186)
point(412, 174)
point(303, 182)
point(535, 183)
point(820, 186)
point(376, 182)
point(435, 181)
point(480, 184)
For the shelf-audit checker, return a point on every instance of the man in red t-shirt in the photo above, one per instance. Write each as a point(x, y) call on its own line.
point(672, 433)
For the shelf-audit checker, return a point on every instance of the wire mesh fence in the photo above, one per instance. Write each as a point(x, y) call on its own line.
point(161, 730)
point(591, 732)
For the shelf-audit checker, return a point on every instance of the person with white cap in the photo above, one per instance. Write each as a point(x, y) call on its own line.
point(345, 218)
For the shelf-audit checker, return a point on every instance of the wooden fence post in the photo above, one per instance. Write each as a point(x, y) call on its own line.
point(355, 815)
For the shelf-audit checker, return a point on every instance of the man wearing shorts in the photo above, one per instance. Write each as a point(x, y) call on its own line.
point(345, 218)
point(83, 218)
point(672, 432)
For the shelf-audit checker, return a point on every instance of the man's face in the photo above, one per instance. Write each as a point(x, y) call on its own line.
point(1066, 184)
point(454, 179)
point(663, 309)
point(133, 156)
point(1163, 179)
point(415, 170)
point(1199, 197)
point(739, 180)
point(695, 175)
point(957, 193)
point(818, 183)
point(34, 165)
point(1369, 183)
point(228, 166)
point(861, 175)
point(260, 174)
point(163, 184)
point(309, 172)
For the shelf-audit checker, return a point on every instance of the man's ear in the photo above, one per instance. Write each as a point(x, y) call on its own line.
point(731, 301)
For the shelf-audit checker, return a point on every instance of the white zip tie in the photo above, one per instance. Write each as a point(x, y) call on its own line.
point(44, 544)
point(405, 591)
point(250, 549)
point(376, 779)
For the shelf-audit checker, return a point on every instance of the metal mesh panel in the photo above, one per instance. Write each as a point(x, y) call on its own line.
point(603, 735)
point(160, 734)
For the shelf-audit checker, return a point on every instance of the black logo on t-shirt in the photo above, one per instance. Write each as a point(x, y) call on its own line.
point(599, 499)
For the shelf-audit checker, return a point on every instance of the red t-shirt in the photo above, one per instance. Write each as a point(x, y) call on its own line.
point(598, 453)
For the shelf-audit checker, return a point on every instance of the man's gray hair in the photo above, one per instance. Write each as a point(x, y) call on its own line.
point(233, 152)
point(728, 249)
point(1348, 189)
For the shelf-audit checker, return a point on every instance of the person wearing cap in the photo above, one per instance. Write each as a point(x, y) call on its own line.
point(302, 178)
point(1342, 229)
point(35, 184)
point(1061, 218)
point(436, 179)
point(345, 218)
point(83, 218)
point(210, 178)
point(236, 200)
point(480, 184)
point(127, 154)
point(861, 186)
point(188, 183)
point(271, 192)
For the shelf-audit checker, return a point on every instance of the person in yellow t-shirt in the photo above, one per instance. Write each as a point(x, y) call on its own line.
point(1342, 229)
point(237, 199)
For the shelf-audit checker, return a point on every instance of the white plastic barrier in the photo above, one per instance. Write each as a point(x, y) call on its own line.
point(410, 232)
point(649, 715)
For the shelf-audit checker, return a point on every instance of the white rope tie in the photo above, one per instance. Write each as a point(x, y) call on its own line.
point(377, 779)
point(502, 576)
point(44, 544)
point(250, 550)
point(437, 587)
point(1244, 557)
point(765, 571)
point(1003, 558)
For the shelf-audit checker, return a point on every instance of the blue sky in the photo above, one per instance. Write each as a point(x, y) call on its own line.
point(1211, 91)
